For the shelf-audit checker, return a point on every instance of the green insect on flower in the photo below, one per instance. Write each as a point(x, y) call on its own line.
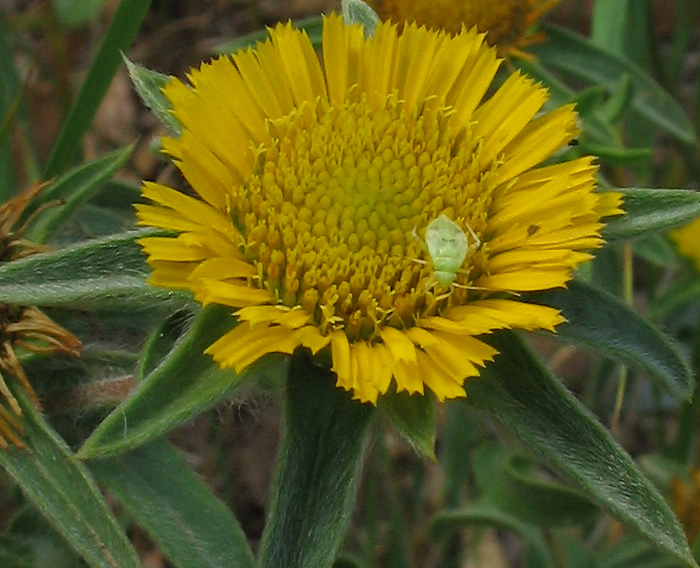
point(448, 246)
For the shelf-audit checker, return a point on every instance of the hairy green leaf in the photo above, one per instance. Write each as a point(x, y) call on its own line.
point(519, 392)
point(185, 383)
point(574, 54)
point(509, 481)
point(318, 469)
point(64, 491)
point(602, 322)
point(180, 513)
point(71, 190)
point(103, 273)
point(652, 210)
point(482, 513)
point(414, 416)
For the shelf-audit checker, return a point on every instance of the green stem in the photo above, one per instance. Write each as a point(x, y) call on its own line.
point(628, 291)
point(318, 470)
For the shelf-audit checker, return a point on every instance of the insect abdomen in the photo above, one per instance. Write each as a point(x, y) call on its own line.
point(444, 277)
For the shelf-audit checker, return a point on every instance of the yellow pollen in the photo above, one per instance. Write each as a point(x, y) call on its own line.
point(329, 216)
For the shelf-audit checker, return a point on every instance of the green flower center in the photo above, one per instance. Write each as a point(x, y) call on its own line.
point(332, 214)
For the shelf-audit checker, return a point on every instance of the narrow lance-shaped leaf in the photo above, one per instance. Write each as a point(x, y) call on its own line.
point(103, 273)
point(518, 391)
point(13, 113)
point(76, 13)
point(312, 26)
point(121, 32)
point(483, 513)
point(576, 55)
point(599, 320)
point(73, 189)
point(510, 481)
point(318, 470)
point(559, 94)
point(598, 136)
point(180, 513)
point(684, 291)
point(64, 491)
point(652, 210)
point(414, 416)
point(186, 383)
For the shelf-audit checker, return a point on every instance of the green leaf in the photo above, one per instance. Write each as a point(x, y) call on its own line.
point(595, 130)
point(180, 513)
point(682, 292)
point(161, 341)
point(461, 433)
point(73, 189)
point(76, 13)
point(602, 322)
point(622, 27)
point(482, 513)
point(582, 59)
point(63, 490)
point(318, 469)
point(312, 26)
point(186, 383)
point(109, 212)
point(634, 553)
point(349, 561)
point(99, 222)
point(685, 18)
point(509, 481)
point(414, 416)
point(615, 156)
point(107, 273)
point(652, 210)
point(614, 108)
point(121, 32)
point(149, 85)
point(662, 469)
point(518, 391)
point(16, 552)
point(12, 111)
point(657, 249)
point(35, 543)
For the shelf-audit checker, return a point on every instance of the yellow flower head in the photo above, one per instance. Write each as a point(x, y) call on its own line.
point(315, 184)
point(686, 239)
point(508, 23)
point(22, 327)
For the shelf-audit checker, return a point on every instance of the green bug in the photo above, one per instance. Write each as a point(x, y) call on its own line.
point(447, 246)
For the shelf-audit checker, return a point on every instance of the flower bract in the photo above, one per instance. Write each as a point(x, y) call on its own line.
point(313, 182)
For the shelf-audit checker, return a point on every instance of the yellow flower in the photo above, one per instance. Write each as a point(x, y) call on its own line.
point(508, 23)
point(315, 183)
point(685, 501)
point(686, 239)
point(22, 327)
